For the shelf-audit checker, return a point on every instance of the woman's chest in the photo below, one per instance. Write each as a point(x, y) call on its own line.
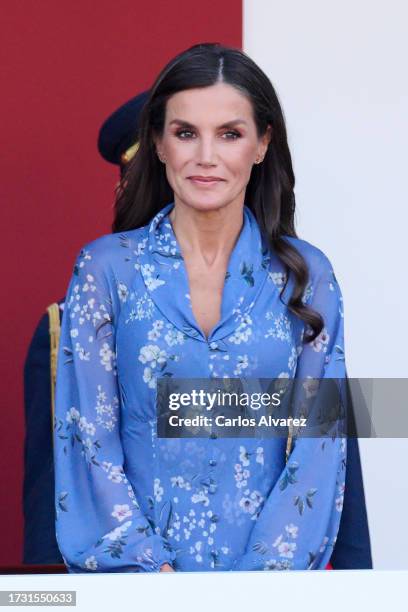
point(206, 292)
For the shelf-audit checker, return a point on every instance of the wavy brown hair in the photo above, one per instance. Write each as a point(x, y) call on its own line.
point(144, 189)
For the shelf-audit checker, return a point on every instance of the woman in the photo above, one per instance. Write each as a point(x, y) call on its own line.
point(203, 277)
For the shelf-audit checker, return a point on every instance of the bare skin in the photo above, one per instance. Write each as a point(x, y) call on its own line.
point(207, 261)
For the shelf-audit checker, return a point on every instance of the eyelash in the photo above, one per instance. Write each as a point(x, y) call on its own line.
point(180, 133)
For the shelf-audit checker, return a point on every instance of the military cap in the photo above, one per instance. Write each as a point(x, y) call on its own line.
point(118, 136)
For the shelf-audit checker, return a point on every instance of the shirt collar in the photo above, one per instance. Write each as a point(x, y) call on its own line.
point(165, 275)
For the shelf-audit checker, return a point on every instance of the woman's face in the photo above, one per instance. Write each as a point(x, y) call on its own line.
point(209, 145)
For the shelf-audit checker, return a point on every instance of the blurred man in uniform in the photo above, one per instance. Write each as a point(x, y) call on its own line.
point(117, 143)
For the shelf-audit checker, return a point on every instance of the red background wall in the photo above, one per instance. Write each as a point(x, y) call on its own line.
point(66, 66)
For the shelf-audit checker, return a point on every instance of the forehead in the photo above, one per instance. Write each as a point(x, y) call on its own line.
point(216, 104)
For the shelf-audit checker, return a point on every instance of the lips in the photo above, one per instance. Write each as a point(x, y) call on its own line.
point(205, 179)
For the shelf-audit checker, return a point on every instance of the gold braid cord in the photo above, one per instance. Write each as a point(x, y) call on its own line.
point(289, 442)
point(54, 328)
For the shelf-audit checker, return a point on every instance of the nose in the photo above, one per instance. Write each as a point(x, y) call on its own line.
point(206, 153)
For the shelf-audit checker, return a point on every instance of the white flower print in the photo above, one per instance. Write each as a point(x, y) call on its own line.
point(247, 504)
point(152, 354)
point(88, 428)
point(282, 327)
point(292, 530)
point(243, 456)
point(147, 270)
point(116, 533)
point(116, 474)
point(153, 335)
point(178, 481)
point(200, 498)
point(277, 541)
point(123, 292)
point(140, 248)
point(308, 293)
point(311, 387)
point(121, 511)
point(106, 411)
point(241, 334)
point(72, 415)
point(292, 359)
point(195, 550)
point(241, 476)
point(149, 378)
point(82, 353)
point(279, 278)
point(153, 283)
point(144, 308)
point(320, 343)
point(158, 490)
point(242, 364)
point(89, 285)
point(260, 455)
point(107, 357)
point(339, 503)
point(174, 336)
point(251, 502)
point(91, 563)
point(286, 549)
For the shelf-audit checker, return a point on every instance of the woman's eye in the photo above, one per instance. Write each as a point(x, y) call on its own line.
point(231, 135)
point(184, 134)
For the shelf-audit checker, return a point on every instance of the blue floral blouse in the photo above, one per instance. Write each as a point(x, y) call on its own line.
point(128, 501)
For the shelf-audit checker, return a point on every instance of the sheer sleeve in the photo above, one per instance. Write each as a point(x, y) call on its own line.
point(298, 524)
point(99, 524)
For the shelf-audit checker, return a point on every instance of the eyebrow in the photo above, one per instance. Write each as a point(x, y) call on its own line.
point(228, 124)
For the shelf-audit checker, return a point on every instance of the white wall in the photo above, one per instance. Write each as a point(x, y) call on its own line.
point(339, 71)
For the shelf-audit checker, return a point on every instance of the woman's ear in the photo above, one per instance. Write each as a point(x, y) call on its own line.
point(263, 145)
point(157, 146)
point(265, 140)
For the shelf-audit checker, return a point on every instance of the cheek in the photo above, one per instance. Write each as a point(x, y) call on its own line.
point(177, 155)
point(240, 161)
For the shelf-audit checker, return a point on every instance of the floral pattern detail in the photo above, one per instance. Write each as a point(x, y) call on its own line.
point(127, 500)
point(282, 328)
point(106, 411)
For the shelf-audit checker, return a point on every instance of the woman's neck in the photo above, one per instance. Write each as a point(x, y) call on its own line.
point(207, 236)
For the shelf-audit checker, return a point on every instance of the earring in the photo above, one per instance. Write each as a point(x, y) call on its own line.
point(160, 156)
point(259, 160)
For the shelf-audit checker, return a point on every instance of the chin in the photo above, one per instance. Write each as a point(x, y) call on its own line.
point(207, 203)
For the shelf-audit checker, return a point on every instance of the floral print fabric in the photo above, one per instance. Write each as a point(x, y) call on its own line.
point(128, 501)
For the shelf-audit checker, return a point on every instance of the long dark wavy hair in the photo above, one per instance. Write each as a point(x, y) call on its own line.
point(144, 189)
